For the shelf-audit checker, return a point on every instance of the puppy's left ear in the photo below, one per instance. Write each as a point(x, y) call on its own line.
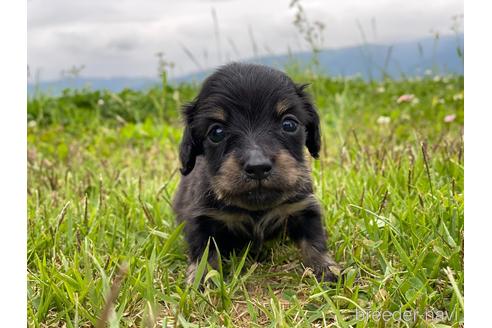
point(190, 147)
point(313, 138)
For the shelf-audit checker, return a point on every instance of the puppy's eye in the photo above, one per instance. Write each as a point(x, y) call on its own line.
point(216, 133)
point(289, 125)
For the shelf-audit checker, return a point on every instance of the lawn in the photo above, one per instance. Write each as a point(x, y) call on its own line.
point(102, 169)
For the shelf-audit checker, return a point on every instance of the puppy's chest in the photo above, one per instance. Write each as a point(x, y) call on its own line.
point(261, 225)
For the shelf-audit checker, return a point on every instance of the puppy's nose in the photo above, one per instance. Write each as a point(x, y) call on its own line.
point(258, 166)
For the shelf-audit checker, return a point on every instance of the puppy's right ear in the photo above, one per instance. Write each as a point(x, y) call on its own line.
point(189, 148)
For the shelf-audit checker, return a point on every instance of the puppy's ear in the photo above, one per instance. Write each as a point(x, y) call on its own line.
point(190, 147)
point(313, 138)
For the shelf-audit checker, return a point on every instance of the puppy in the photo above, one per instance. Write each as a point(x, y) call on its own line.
point(245, 178)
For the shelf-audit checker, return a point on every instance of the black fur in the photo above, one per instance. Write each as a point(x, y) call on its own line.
point(218, 199)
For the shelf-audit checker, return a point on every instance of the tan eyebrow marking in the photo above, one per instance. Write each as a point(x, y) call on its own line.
point(282, 106)
point(217, 114)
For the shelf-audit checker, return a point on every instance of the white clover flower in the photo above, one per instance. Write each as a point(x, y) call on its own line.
point(458, 96)
point(100, 102)
point(383, 120)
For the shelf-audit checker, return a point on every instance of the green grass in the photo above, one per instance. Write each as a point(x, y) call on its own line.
point(101, 175)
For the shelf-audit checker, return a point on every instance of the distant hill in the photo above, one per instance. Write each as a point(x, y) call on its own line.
point(370, 61)
point(114, 84)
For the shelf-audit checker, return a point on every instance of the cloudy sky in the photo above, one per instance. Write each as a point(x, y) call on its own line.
point(121, 37)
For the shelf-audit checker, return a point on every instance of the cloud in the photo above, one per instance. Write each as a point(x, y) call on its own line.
point(121, 38)
point(128, 43)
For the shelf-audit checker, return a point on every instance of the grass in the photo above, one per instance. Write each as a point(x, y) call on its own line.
point(102, 169)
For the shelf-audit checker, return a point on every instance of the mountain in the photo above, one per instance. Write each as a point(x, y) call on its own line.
point(370, 61)
point(114, 84)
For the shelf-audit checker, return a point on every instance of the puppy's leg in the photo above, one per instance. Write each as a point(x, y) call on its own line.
point(306, 230)
point(192, 267)
point(198, 232)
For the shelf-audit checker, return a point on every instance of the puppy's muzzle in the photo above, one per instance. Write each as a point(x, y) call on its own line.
point(257, 165)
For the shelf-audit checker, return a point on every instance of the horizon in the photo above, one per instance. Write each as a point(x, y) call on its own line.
point(155, 77)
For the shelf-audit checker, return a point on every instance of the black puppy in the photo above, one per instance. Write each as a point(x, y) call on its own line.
point(245, 177)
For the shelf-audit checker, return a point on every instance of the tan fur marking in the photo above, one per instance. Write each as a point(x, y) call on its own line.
point(281, 107)
point(218, 114)
point(287, 175)
point(286, 210)
point(278, 215)
point(289, 168)
point(270, 221)
point(228, 173)
point(233, 221)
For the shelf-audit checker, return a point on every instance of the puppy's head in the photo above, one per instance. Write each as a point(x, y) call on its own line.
point(251, 123)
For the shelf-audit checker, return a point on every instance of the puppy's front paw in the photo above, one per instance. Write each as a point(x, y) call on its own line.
point(322, 264)
point(328, 271)
point(193, 266)
point(191, 273)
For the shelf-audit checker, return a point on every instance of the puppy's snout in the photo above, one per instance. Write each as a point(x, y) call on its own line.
point(257, 166)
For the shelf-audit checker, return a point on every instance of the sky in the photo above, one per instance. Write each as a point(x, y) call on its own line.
point(120, 38)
